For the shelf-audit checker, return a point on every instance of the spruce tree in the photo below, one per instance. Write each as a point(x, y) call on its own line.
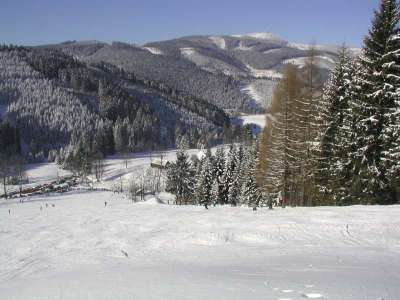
point(330, 152)
point(377, 129)
point(219, 171)
point(180, 178)
point(250, 192)
point(205, 181)
point(229, 176)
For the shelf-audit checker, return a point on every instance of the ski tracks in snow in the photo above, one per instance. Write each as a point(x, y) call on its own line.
point(292, 294)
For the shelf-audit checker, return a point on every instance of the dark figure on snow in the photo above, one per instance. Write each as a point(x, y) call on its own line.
point(254, 208)
point(46, 205)
point(105, 203)
point(9, 211)
point(53, 205)
point(206, 206)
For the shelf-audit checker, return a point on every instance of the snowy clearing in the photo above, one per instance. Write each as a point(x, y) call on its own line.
point(322, 61)
point(154, 50)
point(269, 73)
point(117, 169)
point(269, 36)
point(188, 52)
point(80, 249)
point(258, 121)
point(260, 91)
point(252, 92)
point(218, 41)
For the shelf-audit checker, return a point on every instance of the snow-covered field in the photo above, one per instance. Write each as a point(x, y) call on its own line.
point(117, 168)
point(270, 73)
point(80, 249)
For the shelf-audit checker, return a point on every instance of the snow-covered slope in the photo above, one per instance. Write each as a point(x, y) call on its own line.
point(258, 120)
point(205, 65)
point(82, 249)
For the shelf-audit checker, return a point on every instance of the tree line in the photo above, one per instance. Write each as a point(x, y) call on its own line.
point(340, 146)
point(215, 179)
point(331, 144)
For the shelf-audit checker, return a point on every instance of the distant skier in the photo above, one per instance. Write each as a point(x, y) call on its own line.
point(105, 203)
point(9, 211)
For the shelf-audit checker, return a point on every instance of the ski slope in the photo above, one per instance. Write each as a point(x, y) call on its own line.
point(80, 249)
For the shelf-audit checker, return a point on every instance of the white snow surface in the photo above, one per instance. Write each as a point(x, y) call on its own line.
point(218, 41)
point(258, 73)
point(117, 169)
point(322, 61)
point(262, 36)
point(82, 249)
point(154, 50)
point(252, 92)
point(40, 173)
point(187, 51)
point(259, 120)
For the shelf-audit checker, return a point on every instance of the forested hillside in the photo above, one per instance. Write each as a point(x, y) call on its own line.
point(180, 74)
point(58, 103)
point(236, 72)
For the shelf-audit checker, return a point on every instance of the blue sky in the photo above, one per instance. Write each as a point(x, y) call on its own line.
point(31, 22)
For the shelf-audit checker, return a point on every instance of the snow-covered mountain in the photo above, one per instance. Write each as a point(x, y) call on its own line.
point(251, 55)
point(233, 71)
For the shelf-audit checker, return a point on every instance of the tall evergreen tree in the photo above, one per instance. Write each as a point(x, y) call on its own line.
point(250, 192)
point(229, 176)
point(331, 151)
point(205, 180)
point(180, 178)
point(377, 128)
point(219, 169)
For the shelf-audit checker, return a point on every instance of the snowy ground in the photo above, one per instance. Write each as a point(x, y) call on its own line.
point(38, 174)
point(117, 168)
point(80, 249)
point(254, 119)
point(258, 122)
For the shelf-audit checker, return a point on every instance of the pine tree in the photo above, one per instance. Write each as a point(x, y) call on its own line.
point(219, 171)
point(331, 154)
point(180, 178)
point(250, 192)
point(377, 127)
point(205, 180)
point(229, 177)
point(234, 191)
